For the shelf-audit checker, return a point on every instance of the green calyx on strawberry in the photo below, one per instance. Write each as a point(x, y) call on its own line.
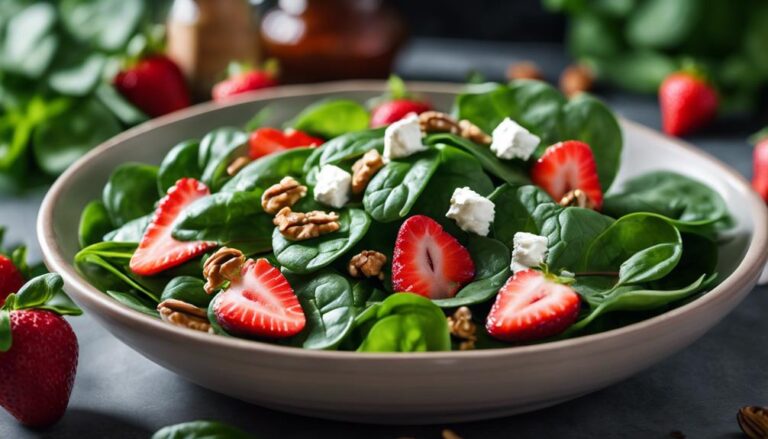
point(38, 351)
point(243, 77)
point(688, 101)
point(395, 104)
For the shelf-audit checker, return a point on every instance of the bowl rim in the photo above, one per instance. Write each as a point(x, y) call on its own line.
point(745, 273)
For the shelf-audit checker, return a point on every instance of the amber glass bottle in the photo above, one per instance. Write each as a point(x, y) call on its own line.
point(320, 40)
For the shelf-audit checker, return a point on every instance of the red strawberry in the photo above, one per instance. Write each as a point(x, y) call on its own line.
point(155, 84)
point(158, 250)
point(38, 371)
point(242, 79)
point(760, 168)
point(11, 279)
point(392, 111)
point(428, 261)
point(532, 306)
point(265, 141)
point(687, 103)
point(568, 166)
point(259, 304)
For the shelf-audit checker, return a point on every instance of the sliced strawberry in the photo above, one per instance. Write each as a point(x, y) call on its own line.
point(260, 304)
point(11, 279)
point(567, 166)
point(158, 250)
point(429, 261)
point(265, 141)
point(531, 306)
point(392, 111)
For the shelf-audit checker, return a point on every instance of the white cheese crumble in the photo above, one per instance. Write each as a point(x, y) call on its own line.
point(333, 186)
point(528, 251)
point(511, 140)
point(472, 212)
point(403, 138)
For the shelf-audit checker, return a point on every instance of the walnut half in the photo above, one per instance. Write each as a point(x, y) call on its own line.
point(462, 327)
point(183, 314)
point(472, 132)
point(298, 226)
point(368, 263)
point(437, 122)
point(224, 265)
point(364, 169)
point(283, 194)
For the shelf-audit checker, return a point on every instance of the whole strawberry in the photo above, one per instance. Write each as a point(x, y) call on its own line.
point(155, 84)
point(396, 104)
point(11, 279)
point(241, 79)
point(760, 165)
point(688, 102)
point(38, 352)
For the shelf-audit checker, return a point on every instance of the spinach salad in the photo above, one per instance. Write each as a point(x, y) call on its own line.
point(492, 226)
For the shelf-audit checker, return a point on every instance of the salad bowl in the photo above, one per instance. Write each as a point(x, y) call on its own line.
point(420, 387)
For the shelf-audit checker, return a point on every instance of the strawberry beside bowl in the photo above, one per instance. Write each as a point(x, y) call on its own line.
point(403, 387)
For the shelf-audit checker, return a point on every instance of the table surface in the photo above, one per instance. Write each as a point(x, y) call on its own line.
point(120, 394)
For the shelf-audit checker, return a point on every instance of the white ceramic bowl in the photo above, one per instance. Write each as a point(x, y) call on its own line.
point(398, 388)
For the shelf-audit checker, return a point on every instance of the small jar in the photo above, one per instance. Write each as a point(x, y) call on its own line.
point(320, 40)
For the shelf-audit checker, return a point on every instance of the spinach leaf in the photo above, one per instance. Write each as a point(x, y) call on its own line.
point(235, 219)
point(699, 257)
point(201, 430)
point(328, 304)
point(105, 266)
point(365, 293)
point(640, 71)
point(512, 172)
point(131, 192)
point(134, 301)
point(331, 118)
point(181, 161)
point(403, 322)
point(350, 146)
point(132, 231)
point(692, 205)
point(641, 247)
point(76, 71)
point(94, 224)
point(661, 24)
point(187, 289)
point(523, 208)
point(569, 233)
point(395, 188)
point(217, 150)
point(107, 24)
point(61, 140)
point(30, 43)
point(268, 170)
point(491, 259)
point(304, 257)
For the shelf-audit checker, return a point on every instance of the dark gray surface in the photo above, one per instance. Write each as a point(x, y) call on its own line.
point(119, 394)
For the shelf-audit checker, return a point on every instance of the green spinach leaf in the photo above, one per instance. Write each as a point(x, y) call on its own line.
point(510, 171)
point(131, 192)
point(350, 146)
point(523, 208)
point(331, 118)
point(217, 150)
point(201, 430)
point(132, 231)
point(135, 301)
point(94, 224)
point(187, 289)
point(268, 170)
point(181, 161)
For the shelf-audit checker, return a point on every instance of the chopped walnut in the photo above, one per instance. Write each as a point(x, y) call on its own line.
point(450, 434)
point(222, 266)
point(524, 70)
point(283, 194)
point(437, 122)
point(368, 263)
point(364, 169)
point(578, 198)
point(462, 327)
point(184, 314)
point(237, 165)
point(576, 79)
point(298, 226)
point(472, 132)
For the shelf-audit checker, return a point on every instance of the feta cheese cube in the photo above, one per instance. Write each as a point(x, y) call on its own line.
point(528, 251)
point(510, 140)
point(403, 138)
point(472, 212)
point(333, 186)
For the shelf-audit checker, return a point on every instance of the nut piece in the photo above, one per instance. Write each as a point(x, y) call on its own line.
point(237, 165)
point(450, 434)
point(462, 327)
point(298, 226)
point(283, 194)
point(577, 198)
point(576, 79)
point(437, 122)
point(472, 132)
point(524, 70)
point(364, 169)
point(753, 421)
point(184, 314)
point(222, 266)
point(368, 263)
